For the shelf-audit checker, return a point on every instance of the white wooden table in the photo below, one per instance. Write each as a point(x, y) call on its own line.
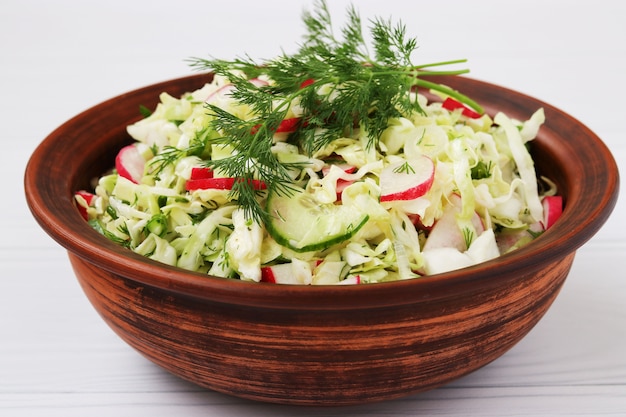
point(58, 358)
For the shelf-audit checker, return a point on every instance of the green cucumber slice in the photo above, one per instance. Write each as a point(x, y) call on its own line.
point(302, 224)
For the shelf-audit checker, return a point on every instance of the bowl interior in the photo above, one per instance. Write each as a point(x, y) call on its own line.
point(83, 148)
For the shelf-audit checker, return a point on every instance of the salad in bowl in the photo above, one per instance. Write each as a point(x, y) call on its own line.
point(333, 165)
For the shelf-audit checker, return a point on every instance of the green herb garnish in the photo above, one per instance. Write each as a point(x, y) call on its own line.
point(405, 168)
point(468, 236)
point(481, 170)
point(341, 84)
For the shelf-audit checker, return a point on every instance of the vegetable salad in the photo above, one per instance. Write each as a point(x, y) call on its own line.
point(444, 188)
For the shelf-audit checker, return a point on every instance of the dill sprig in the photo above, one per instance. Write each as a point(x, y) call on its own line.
point(340, 83)
point(170, 154)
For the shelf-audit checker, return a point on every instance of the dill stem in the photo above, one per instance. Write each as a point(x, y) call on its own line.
point(450, 92)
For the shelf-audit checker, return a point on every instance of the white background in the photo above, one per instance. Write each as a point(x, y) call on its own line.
point(57, 58)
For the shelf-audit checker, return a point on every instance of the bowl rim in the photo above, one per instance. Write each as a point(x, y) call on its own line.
point(569, 233)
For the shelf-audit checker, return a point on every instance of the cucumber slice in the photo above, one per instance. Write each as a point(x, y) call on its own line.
point(302, 224)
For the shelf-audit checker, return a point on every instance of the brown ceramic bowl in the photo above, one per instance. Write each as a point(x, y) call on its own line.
point(320, 345)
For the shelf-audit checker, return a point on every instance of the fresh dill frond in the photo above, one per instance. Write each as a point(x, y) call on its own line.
point(169, 155)
point(481, 170)
point(340, 83)
point(97, 225)
point(405, 168)
point(468, 236)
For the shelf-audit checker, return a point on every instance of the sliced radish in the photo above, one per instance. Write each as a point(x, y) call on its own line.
point(416, 219)
point(258, 82)
point(288, 125)
point(350, 280)
point(88, 198)
point(446, 233)
point(341, 183)
point(219, 184)
point(201, 173)
point(278, 274)
point(446, 259)
point(451, 105)
point(307, 82)
point(295, 272)
point(130, 164)
point(407, 180)
point(347, 168)
point(552, 210)
point(511, 239)
point(86, 195)
point(220, 93)
point(268, 274)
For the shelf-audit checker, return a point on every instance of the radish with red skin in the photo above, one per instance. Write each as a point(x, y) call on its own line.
point(446, 233)
point(341, 183)
point(268, 274)
point(278, 274)
point(552, 210)
point(407, 180)
point(258, 82)
point(83, 212)
point(347, 168)
point(307, 82)
point(221, 92)
point(88, 197)
point(225, 183)
point(351, 280)
point(295, 272)
point(130, 163)
point(288, 125)
point(451, 105)
point(201, 173)
point(416, 219)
